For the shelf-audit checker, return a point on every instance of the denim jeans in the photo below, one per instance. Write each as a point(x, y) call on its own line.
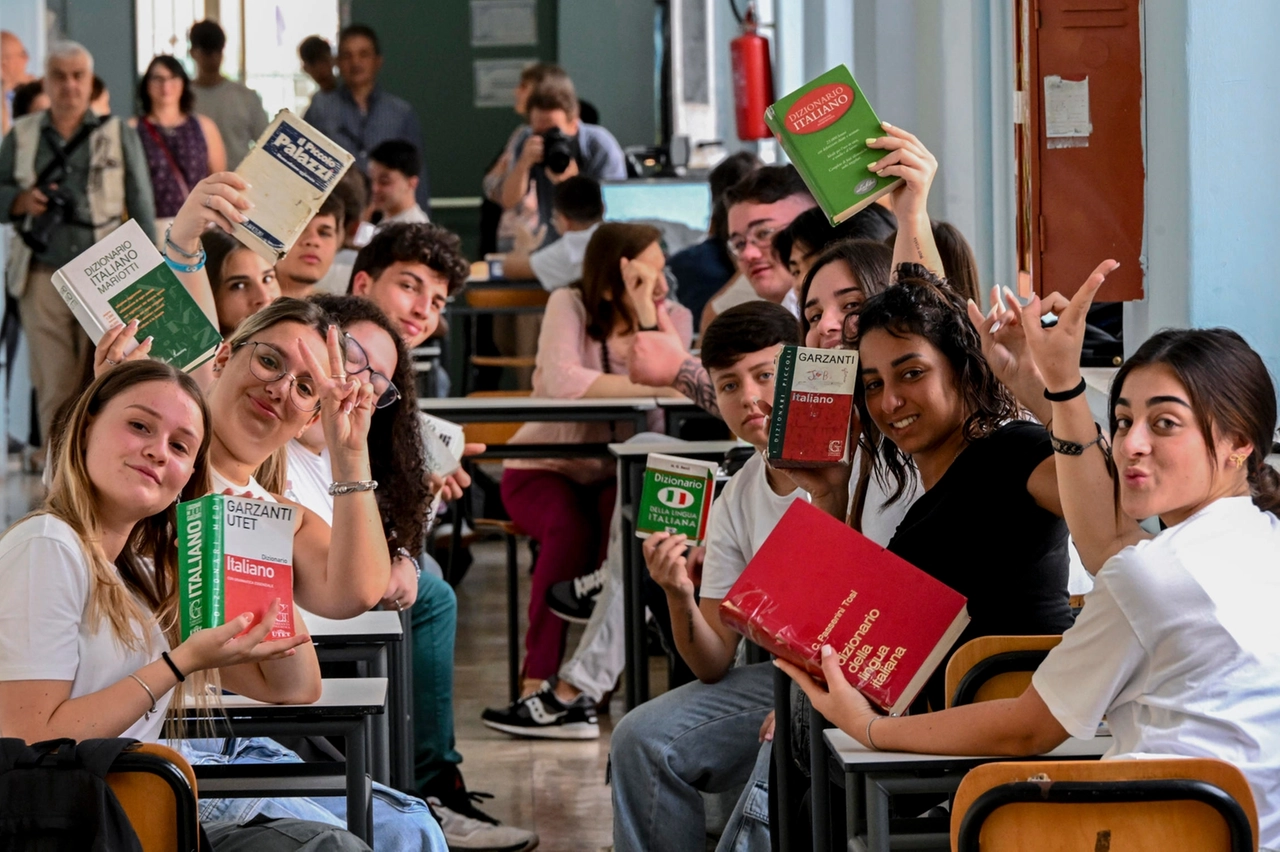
point(601, 653)
point(435, 627)
point(748, 827)
point(701, 737)
point(400, 822)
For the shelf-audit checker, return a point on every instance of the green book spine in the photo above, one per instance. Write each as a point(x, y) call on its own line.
point(823, 127)
point(184, 337)
point(782, 380)
point(194, 533)
point(217, 576)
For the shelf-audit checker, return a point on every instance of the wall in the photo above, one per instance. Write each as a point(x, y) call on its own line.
point(106, 28)
point(608, 48)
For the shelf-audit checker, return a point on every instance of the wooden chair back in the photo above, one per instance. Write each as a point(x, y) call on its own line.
point(157, 789)
point(992, 667)
point(492, 433)
point(1169, 805)
point(487, 298)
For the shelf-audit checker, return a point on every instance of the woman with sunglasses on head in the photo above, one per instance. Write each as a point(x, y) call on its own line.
point(1175, 644)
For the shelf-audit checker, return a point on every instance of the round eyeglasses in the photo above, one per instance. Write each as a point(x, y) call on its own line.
point(384, 390)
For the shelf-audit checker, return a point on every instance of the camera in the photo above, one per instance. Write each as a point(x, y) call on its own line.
point(40, 229)
point(558, 150)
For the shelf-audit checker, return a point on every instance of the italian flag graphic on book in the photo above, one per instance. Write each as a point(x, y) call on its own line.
point(122, 278)
point(235, 556)
point(676, 497)
point(812, 406)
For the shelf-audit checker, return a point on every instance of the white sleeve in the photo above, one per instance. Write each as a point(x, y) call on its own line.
point(552, 268)
point(44, 587)
point(725, 559)
point(1098, 657)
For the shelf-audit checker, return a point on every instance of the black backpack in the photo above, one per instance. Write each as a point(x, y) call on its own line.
point(54, 797)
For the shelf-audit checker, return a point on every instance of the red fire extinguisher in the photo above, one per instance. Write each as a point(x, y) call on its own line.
point(752, 79)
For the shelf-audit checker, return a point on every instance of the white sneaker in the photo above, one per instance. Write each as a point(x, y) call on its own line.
point(467, 833)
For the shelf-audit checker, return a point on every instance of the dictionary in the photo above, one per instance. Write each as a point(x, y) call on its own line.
point(235, 555)
point(290, 171)
point(890, 623)
point(676, 497)
point(812, 407)
point(122, 278)
point(442, 443)
point(824, 127)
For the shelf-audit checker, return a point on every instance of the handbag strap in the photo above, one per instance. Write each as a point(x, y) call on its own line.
point(156, 135)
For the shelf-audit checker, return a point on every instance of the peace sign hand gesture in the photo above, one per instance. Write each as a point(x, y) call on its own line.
point(346, 405)
point(1056, 349)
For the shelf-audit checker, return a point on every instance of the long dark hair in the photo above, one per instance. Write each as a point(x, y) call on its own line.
point(923, 305)
point(174, 67)
point(396, 457)
point(602, 288)
point(1229, 387)
point(869, 262)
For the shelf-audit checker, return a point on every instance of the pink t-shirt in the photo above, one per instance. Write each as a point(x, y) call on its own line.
point(568, 361)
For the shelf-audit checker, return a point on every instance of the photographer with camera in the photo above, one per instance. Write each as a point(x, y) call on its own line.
point(558, 145)
point(67, 178)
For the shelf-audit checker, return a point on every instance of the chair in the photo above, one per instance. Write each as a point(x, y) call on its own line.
point(992, 667)
point(497, 300)
point(157, 789)
point(1198, 804)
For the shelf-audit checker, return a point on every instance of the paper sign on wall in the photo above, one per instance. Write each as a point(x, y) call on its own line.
point(504, 23)
point(1066, 112)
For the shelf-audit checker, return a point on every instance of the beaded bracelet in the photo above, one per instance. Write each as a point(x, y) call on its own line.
point(183, 267)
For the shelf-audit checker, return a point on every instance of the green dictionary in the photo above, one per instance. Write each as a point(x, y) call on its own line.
point(676, 497)
point(122, 278)
point(824, 127)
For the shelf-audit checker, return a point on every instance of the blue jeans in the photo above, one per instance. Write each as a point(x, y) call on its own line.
point(435, 627)
point(702, 737)
point(400, 822)
point(748, 826)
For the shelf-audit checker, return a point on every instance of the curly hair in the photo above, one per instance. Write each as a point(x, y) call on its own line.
point(396, 457)
point(922, 304)
point(436, 248)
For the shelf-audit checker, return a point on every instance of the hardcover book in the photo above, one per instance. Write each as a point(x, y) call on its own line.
point(122, 278)
point(812, 406)
point(290, 171)
point(235, 555)
point(824, 127)
point(676, 497)
point(890, 623)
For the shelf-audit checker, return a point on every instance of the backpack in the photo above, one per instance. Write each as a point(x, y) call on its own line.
point(54, 797)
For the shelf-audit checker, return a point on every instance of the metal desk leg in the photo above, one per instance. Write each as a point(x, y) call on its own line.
point(854, 824)
point(379, 729)
point(359, 803)
point(877, 798)
point(632, 600)
point(880, 786)
point(820, 785)
point(402, 741)
point(782, 757)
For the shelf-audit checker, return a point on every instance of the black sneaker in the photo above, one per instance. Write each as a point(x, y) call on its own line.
point(574, 600)
point(543, 716)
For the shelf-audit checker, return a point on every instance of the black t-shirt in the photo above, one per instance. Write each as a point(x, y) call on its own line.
point(979, 531)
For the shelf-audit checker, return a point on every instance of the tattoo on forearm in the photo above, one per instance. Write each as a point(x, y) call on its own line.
point(919, 251)
point(689, 625)
point(692, 381)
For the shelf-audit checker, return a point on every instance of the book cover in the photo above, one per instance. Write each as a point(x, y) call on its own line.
point(442, 444)
point(290, 171)
point(890, 623)
point(235, 555)
point(676, 497)
point(824, 127)
point(812, 406)
point(122, 278)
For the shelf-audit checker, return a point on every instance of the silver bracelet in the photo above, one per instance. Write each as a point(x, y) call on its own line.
point(337, 489)
point(179, 249)
point(401, 551)
point(870, 742)
point(142, 683)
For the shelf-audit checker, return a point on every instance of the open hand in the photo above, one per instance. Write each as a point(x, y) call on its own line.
point(110, 350)
point(217, 200)
point(1004, 345)
point(838, 701)
point(221, 646)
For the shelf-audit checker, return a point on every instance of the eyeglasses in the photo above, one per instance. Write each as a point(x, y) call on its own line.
point(384, 389)
point(761, 236)
point(268, 364)
point(161, 79)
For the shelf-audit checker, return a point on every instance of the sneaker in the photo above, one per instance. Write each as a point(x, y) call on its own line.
point(573, 600)
point(466, 832)
point(544, 716)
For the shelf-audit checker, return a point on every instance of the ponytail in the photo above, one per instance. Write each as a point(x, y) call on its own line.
point(1264, 484)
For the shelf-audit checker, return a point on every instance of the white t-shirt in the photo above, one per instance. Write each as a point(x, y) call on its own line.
point(222, 485)
point(1177, 646)
point(338, 277)
point(310, 476)
point(560, 263)
point(45, 632)
point(414, 215)
point(741, 519)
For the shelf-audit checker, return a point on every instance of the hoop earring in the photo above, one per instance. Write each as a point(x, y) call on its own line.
point(1238, 459)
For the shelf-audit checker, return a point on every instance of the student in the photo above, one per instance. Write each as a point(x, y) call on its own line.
point(100, 656)
point(316, 55)
point(353, 193)
point(704, 736)
point(309, 260)
point(700, 271)
point(1178, 626)
point(839, 278)
point(394, 167)
point(234, 108)
point(377, 354)
point(242, 282)
point(583, 351)
point(958, 261)
point(579, 210)
point(798, 244)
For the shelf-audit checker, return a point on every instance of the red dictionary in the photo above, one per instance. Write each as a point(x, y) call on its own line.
point(890, 623)
point(812, 407)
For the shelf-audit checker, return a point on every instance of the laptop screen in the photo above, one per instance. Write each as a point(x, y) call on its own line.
point(685, 202)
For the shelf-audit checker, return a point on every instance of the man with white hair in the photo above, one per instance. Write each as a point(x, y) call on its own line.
point(13, 73)
point(46, 191)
